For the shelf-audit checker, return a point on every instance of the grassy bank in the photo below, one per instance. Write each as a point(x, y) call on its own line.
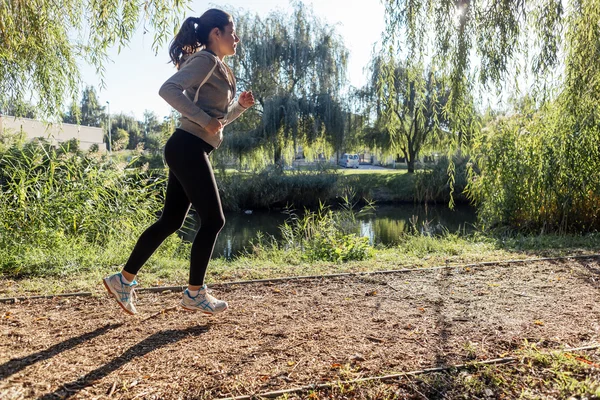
point(71, 267)
point(273, 188)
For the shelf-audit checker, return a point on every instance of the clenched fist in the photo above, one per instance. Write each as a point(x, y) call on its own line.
point(214, 126)
point(246, 99)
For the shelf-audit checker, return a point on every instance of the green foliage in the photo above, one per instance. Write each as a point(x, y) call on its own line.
point(73, 115)
point(409, 104)
point(19, 108)
point(323, 235)
point(9, 138)
point(433, 183)
point(538, 173)
point(49, 195)
point(132, 136)
point(296, 66)
point(449, 32)
point(42, 39)
point(538, 168)
point(157, 136)
point(120, 139)
point(91, 112)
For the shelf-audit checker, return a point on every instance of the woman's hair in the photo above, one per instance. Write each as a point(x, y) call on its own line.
point(194, 33)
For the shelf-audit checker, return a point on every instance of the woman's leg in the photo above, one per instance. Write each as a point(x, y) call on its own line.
point(208, 206)
point(196, 176)
point(172, 218)
point(120, 285)
point(188, 161)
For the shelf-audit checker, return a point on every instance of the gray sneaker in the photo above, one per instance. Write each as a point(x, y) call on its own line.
point(122, 292)
point(204, 302)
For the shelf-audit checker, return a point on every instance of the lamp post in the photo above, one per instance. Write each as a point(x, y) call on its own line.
point(109, 136)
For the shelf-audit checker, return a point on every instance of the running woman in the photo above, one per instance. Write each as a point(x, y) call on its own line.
point(203, 91)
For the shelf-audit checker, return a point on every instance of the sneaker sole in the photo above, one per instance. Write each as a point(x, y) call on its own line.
point(116, 299)
point(203, 312)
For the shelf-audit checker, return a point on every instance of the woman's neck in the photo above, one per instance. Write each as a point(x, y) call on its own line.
point(220, 56)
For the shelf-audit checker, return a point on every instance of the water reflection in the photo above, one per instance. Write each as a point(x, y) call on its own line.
point(384, 226)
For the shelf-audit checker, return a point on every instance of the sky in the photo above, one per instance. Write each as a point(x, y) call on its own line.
point(133, 76)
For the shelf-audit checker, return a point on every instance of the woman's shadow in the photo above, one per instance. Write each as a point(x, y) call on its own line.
point(15, 365)
point(142, 348)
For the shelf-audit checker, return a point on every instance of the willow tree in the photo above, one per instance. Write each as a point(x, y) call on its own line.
point(556, 42)
point(413, 114)
point(42, 40)
point(296, 67)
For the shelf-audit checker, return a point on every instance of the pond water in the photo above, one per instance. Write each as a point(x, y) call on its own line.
point(383, 226)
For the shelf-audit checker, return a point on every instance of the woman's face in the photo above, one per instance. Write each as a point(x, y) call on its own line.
point(228, 40)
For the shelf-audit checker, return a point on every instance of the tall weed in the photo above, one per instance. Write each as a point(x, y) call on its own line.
point(49, 195)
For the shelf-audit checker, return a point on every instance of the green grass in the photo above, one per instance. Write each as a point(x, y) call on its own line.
point(385, 186)
point(70, 267)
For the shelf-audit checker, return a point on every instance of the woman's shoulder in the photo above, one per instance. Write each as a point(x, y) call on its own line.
point(201, 56)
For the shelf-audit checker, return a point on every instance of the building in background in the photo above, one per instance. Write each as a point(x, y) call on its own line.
point(55, 133)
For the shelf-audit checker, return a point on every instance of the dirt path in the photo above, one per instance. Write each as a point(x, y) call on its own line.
point(294, 333)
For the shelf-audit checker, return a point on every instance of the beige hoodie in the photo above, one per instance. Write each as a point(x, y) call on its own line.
point(215, 98)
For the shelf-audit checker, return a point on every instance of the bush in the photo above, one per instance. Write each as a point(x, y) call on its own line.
point(539, 172)
point(433, 184)
point(326, 236)
point(272, 188)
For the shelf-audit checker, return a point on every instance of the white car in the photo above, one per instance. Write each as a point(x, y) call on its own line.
point(349, 160)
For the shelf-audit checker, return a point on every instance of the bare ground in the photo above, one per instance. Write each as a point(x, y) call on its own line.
point(294, 333)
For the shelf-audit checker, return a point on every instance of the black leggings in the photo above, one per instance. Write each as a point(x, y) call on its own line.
point(191, 181)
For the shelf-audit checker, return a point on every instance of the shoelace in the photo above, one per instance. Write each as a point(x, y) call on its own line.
point(134, 295)
point(132, 292)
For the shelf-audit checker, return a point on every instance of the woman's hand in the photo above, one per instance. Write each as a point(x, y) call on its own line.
point(246, 99)
point(214, 126)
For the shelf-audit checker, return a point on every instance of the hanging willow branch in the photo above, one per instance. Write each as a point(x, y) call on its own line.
point(490, 28)
point(42, 40)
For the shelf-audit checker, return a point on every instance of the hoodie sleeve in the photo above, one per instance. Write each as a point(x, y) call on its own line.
point(191, 74)
point(234, 110)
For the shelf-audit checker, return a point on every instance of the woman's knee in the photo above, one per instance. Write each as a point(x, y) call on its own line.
point(170, 225)
point(214, 224)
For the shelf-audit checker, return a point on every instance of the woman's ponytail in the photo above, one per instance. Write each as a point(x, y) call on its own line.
point(194, 33)
point(186, 40)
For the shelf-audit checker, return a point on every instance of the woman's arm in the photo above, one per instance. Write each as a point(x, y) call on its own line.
point(236, 108)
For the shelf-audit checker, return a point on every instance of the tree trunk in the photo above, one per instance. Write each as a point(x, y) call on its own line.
point(277, 154)
point(411, 165)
